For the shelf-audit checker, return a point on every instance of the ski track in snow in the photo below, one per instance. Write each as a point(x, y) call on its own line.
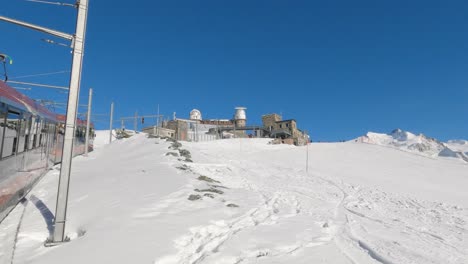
point(358, 221)
point(275, 204)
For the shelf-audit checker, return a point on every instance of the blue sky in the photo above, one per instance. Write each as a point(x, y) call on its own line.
point(340, 68)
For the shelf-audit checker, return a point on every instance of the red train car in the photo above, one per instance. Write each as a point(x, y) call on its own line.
point(31, 141)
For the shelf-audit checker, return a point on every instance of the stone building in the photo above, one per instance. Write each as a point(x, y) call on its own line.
point(284, 131)
point(218, 122)
point(197, 129)
point(180, 126)
point(159, 131)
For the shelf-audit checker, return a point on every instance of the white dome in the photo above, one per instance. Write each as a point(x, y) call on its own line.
point(195, 115)
point(240, 113)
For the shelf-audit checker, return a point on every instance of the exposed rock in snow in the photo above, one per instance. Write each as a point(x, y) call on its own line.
point(446, 152)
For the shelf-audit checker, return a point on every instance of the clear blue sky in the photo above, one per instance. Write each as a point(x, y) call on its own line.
point(340, 68)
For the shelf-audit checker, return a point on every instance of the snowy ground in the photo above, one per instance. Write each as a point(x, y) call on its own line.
point(250, 203)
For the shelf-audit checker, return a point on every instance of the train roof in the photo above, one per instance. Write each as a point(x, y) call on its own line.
point(14, 98)
point(21, 101)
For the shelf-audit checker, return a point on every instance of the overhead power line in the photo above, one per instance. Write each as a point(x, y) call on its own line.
point(41, 85)
point(39, 74)
point(51, 3)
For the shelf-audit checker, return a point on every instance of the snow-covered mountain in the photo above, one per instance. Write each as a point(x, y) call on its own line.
point(421, 144)
point(458, 145)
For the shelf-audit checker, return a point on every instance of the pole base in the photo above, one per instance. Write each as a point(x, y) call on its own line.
point(51, 243)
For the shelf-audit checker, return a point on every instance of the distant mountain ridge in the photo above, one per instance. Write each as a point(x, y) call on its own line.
point(420, 144)
point(458, 145)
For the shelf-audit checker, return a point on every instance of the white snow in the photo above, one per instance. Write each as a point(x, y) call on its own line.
point(458, 145)
point(102, 138)
point(358, 203)
point(419, 144)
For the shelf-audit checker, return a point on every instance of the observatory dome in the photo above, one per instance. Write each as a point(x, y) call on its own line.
point(240, 113)
point(195, 114)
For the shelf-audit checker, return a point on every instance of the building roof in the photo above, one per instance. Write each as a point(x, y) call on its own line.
point(271, 114)
point(284, 121)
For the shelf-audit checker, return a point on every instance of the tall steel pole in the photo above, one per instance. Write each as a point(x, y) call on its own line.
point(88, 120)
point(157, 118)
point(135, 123)
point(157, 122)
point(73, 96)
point(111, 121)
point(307, 158)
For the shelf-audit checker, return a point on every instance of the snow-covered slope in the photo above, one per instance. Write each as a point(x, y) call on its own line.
point(420, 144)
point(458, 145)
point(102, 138)
point(245, 201)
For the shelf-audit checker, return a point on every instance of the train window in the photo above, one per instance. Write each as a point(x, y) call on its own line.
point(10, 138)
point(34, 129)
point(2, 127)
point(42, 132)
point(38, 133)
point(27, 132)
point(32, 122)
point(52, 128)
point(79, 133)
point(22, 139)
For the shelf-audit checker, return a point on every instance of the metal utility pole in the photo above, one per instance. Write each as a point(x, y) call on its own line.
point(135, 119)
point(88, 120)
point(73, 95)
point(157, 118)
point(110, 123)
point(157, 123)
point(78, 40)
point(135, 123)
point(307, 151)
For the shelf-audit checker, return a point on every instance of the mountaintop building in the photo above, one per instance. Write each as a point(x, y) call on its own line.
point(198, 129)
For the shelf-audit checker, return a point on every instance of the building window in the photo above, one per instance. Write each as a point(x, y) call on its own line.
point(281, 125)
point(287, 125)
